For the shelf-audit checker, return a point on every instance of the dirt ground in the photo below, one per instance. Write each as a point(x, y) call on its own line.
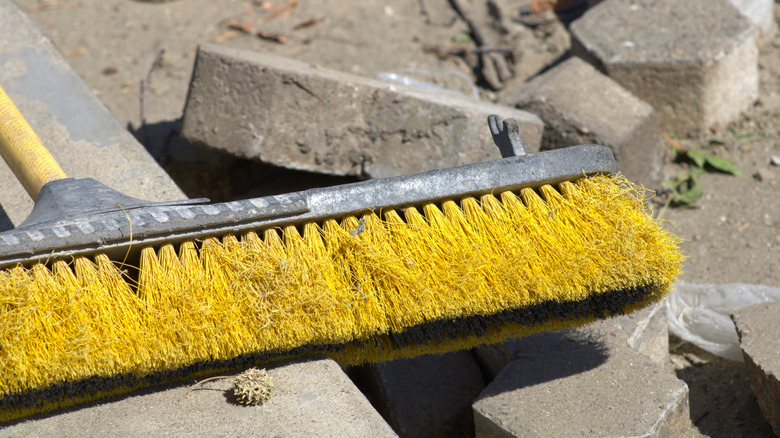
point(731, 233)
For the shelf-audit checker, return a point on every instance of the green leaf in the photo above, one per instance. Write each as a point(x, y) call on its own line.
point(750, 136)
point(698, 157)
point(461, 38)
point(670, 184)
point(694, 172)
point(688, 193)
point(685, 188)
point(723, 165)
point(689, 197)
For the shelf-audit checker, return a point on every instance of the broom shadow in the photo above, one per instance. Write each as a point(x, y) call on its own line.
point(545, 357)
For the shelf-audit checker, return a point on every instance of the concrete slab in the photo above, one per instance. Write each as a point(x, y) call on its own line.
point(309, 399)
point(759, 338)
point(695, 62)
point(592, 386)
point(426, 396)
point(644, 331)
point(312, 398)
point(295, 115)
point(579, 105)
point(761, 14)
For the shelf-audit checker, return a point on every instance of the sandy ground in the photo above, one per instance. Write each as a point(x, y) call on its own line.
point(731, 234)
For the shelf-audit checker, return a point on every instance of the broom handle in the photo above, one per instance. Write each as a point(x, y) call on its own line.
point(27, 157)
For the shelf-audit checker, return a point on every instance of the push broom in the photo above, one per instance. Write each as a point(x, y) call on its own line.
point(101, 293)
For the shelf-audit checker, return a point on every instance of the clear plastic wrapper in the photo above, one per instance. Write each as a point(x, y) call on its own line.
point(699, 313)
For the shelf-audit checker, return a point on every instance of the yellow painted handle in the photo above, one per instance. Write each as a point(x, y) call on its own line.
point(27, 157)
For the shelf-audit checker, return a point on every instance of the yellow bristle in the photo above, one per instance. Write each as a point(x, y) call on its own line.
point(353, 287)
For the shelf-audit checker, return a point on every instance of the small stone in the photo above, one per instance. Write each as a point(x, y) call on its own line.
point(763, 175)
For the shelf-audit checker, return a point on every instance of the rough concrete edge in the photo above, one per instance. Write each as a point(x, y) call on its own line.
point(488, 428)
point(449, 99)
point(634, 340)
point(668, 415)
point(531, 125)
point(758, 377)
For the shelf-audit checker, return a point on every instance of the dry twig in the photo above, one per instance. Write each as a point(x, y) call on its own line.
point(493, 67)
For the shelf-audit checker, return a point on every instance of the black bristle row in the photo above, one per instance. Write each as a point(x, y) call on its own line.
point(594, 307)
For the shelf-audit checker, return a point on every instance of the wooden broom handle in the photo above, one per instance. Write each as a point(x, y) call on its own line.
point(21, 148)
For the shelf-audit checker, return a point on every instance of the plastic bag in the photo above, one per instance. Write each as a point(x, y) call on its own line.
point(449, 74)
point(699, 313)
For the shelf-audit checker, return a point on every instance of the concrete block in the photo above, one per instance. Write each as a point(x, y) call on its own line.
point(579, 105)
point(695, 62)
point(759, 338)
point(592, 385)
point(426, 396)
point(761, 14)
point(644, 331)
point(292, 114)
point(309, 399)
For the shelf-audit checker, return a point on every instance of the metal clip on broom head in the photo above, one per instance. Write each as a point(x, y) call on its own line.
point(372, 271)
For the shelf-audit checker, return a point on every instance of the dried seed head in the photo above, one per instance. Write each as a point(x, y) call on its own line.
point(253, 387)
